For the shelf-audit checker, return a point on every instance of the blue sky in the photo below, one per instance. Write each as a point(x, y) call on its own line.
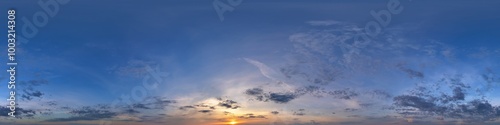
point(268, 62)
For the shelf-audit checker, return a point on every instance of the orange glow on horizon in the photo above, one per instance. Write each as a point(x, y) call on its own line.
point(233, 122)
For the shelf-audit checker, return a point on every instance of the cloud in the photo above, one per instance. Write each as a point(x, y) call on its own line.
point(285, 97)
point(88, 113)
point(20, 112)
point(380, 94)
point(415, 102)
point(105, 111)
point(140, 106)
point(230, 104)
point(131, 111)
point(277, 97)
point(343, 94)
point(300, 112)
point(155, 103)
point(458, 94)
point(282, 97)
point(434, 100)
point(264, 69)
point(254, 91)
point(411, 73)
point(205, 111)
point(186, 107)
point(30, 94)
point(29, 89)
point(251, 116)
point(258, 93)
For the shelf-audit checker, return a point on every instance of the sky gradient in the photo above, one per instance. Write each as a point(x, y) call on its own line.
point(260, 62)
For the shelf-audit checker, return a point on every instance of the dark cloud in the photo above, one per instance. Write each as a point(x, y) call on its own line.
point(187, 107)
point(30, 89)
point(415, 102)
point(205, 108)
point(131, 111)
point(20, 112)
point(202, 105)
point(258, 93)
point(497, 110)
point(299, 113)
point(480, 108)
point(140, 106)
point(205, 111)
point(89, 110)
point(343, 94)
point(29, 94)
point(157, 103)
point(312, 90)
point(254, 91)
point(458, 94)
point(51, 103)
point(251, 116)
point(230, 104)
point(490, 77)
point(285, 97)
point(88, 113)
point(227, 113)
point(82, 118)
point(424, 102)
point(411, 73)
point(282, 97)
point(275, 112)
point(270, 96)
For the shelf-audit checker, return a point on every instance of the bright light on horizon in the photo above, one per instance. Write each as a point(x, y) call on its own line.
point(233, 122)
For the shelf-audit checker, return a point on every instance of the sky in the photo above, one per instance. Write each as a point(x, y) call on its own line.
point(254, 62)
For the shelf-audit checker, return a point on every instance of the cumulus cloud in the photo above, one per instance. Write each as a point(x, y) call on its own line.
point(230, 104)
point(277, 97)
point(457, 103)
